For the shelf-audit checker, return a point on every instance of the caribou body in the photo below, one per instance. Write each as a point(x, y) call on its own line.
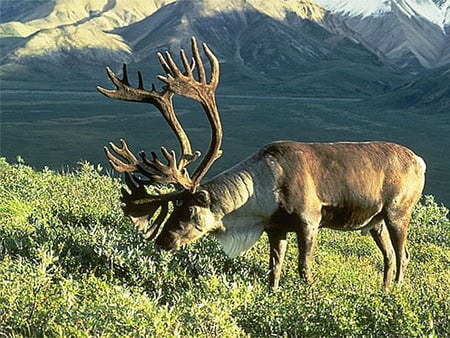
point(285, 187)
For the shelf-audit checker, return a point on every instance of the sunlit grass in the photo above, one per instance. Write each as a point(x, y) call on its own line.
point(72, 265)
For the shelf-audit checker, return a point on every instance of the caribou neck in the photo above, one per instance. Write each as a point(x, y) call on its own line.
point(248, 188)
point(243, 199)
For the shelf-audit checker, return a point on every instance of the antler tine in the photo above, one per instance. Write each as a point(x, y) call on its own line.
point(167, 173)
point(161, 100)
point(185, 84)
point(132, 165)
point(125, 75)
point(140, 206)
point(215, 68)
point(117, 164)
point(124, 152)
point(141, 81)
point(123, 89)
point(200, 68)
point(151, 232)
point(189, 67)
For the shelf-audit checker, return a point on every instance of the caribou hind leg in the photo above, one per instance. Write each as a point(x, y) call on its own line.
point(397, 222)
point(381, 237)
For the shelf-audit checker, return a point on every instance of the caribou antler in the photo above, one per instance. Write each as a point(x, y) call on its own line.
point(161, 100)
point(138, 203)
point(185, 84)
point(140, 206)
point(156, 171)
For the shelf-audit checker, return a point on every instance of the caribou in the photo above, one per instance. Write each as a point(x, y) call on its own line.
point(284, 187)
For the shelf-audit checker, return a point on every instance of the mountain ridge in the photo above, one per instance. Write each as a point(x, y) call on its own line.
point(89, 16)
point(321, 47)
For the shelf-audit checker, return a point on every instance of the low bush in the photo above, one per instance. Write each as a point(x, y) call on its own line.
point(72, 265)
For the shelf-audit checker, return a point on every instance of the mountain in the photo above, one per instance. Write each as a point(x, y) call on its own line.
point(280, 46)
point(428, 93)
point(375, 69)
point(54, 34)
point(301, 47)
point(405, 33)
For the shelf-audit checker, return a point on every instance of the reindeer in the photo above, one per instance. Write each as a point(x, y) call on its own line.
point(284, 187)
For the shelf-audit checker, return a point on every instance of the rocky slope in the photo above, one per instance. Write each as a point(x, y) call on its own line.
point(320, 46)
point(405, 33)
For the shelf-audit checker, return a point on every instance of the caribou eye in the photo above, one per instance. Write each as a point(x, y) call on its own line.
point(203, 198)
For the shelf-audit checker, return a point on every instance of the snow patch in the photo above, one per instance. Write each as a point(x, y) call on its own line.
point(356, 7)
point(411, 8)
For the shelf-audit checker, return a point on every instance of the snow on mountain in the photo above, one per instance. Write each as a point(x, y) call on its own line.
point(356, 7)
point(429, 10)
point(405, 33)
point(433, 12)
point(446, 11)
point(281, 10)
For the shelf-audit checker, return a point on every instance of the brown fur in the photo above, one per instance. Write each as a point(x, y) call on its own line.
point(344, 186)
point(301, 187)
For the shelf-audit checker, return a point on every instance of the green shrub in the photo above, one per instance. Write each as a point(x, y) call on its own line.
point(72, 265)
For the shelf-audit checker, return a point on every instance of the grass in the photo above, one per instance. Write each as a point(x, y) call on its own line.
point(72, 265)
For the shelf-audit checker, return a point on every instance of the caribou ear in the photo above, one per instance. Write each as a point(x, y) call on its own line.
point(202, 198)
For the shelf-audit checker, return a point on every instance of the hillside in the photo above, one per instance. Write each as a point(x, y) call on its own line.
point(428, 93)
point(299, 47)
point(72, 265)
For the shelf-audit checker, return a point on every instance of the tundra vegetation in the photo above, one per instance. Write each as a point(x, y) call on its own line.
point(72, 265)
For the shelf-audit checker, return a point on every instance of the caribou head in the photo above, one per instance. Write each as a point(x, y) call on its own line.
point(191, 216)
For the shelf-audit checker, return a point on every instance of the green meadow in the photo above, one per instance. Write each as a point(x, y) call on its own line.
point(72, 265)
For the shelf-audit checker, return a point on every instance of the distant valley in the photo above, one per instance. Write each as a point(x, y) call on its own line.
point(59, 129)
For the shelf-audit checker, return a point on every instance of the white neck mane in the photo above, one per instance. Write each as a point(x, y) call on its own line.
point(240, 236)
point(245, 199)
